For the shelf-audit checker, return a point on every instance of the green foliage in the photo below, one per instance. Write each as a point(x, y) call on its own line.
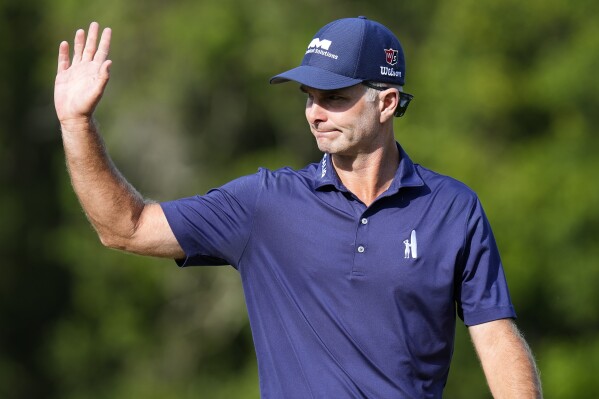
point(505, 100)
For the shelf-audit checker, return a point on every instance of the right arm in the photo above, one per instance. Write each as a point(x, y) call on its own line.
point(120, 215)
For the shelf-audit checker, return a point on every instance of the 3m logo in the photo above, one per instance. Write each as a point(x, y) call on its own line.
point(321, 47)
point(391, 56)
point(411, 246)
point(317, 43)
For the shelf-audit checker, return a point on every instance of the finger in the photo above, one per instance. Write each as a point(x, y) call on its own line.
point(105, 70)
point(63, 57)
point(78, 45)
point(104, 46)
point(104, 76)
point(90, 44)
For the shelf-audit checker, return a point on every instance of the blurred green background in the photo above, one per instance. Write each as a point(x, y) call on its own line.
point(506, 100)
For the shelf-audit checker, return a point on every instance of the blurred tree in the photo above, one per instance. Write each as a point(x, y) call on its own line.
point(505, 101)
point(34, 286)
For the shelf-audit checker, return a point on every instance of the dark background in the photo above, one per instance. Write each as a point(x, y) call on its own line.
point(506, 100)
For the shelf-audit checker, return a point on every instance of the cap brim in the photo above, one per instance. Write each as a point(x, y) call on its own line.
point(317, 78)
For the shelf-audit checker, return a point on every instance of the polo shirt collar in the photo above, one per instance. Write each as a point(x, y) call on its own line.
point(405, 176)
point(325, 174)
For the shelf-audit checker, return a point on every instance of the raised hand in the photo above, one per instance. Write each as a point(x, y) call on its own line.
point(80, 84)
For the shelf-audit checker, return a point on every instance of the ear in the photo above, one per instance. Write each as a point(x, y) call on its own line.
point(389, 101)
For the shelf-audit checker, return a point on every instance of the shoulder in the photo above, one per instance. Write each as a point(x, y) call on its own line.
point(446, 186)
point(286, 177)
point(307, 172)
point(266, 182)
point(449, 196)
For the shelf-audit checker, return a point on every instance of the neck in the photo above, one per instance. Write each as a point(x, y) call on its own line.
point(368, 175)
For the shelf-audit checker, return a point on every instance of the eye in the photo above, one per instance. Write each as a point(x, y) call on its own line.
point(309, 98)
point(305, 92)
point(335, 98)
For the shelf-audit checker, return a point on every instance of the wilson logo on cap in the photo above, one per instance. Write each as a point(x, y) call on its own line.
point(391, 56)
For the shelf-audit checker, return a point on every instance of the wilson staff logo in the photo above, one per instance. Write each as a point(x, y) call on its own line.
point(391, 56)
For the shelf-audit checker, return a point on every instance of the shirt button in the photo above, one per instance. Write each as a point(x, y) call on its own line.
point(364, 221)
point(361, 249)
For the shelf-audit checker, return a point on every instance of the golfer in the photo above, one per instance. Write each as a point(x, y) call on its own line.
point(353, 268)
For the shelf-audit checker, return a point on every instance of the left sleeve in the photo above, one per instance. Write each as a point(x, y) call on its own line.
point(213, 229)
point(481, 287)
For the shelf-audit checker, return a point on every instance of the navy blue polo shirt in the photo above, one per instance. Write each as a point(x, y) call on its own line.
point(344, 300)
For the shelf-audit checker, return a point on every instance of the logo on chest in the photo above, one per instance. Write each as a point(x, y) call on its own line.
point(411, 244)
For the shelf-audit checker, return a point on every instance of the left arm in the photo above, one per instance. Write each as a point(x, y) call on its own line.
point(506, 360)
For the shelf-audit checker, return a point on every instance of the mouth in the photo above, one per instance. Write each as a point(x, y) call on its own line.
point(321, 131)
point(324, 134)
point(324, 131)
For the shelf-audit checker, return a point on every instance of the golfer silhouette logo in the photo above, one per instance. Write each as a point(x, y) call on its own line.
point(411, 246)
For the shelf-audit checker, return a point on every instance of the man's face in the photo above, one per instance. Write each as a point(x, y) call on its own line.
point(343, 121)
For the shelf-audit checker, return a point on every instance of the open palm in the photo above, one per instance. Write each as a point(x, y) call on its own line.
point(80, 84)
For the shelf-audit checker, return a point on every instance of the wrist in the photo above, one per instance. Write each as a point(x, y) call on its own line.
point(78, 124)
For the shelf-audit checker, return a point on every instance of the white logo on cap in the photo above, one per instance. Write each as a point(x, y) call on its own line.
point(317, 43)
point(321, 47)
point(386, 71)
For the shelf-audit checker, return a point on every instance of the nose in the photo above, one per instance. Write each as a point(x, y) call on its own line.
point(315, 113)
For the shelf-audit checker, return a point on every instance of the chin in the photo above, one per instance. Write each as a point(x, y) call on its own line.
point(323, 145)
point(323, 148)
point(329, 149)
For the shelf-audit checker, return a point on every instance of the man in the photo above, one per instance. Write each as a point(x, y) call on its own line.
point(353, 268)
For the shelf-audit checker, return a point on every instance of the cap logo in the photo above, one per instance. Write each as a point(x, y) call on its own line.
point(317, 43)
point(391, 56)
point(321, 47)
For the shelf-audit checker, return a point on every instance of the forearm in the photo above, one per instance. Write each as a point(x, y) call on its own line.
point(507, 361)
point(111, 204)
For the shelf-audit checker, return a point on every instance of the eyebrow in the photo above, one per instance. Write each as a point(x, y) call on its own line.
point(304, 89)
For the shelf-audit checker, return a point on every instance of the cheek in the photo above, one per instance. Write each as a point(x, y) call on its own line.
point(368, 118)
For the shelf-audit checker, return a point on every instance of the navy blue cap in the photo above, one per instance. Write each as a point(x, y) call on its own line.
point(349, 51)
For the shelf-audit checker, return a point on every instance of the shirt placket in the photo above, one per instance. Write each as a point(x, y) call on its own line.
point(361, 252)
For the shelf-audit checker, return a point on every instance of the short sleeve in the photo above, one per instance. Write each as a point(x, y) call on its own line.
point(214, 228)
point(482, 291)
